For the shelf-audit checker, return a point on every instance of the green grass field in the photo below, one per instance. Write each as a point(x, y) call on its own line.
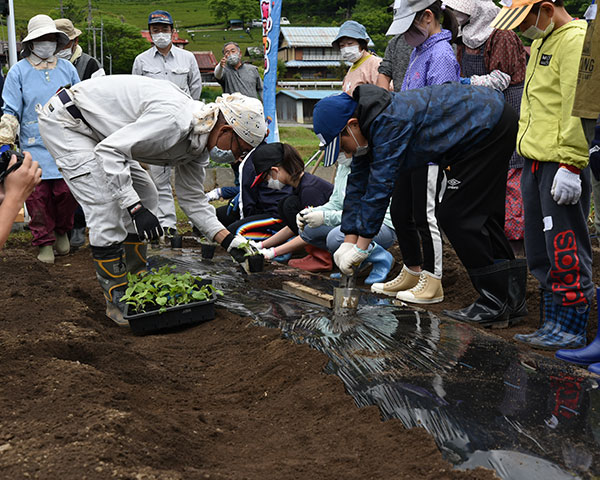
point(185, 12)
point(302, 139)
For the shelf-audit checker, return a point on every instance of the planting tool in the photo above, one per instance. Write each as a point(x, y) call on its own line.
point(346, 296)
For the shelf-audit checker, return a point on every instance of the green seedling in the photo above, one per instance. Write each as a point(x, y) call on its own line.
point(162, 288)
point(248, 249)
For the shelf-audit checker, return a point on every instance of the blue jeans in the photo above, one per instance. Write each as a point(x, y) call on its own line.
point(330, 238)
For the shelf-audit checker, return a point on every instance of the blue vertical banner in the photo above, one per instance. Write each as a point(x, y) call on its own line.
point(271, 14)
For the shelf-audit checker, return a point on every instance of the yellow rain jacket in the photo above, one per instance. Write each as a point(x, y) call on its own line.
point(547, 131)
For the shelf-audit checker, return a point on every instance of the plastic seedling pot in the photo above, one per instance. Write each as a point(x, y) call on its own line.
point(255, 263)
point(208, 250)
point(177, 241)
point(177, 316)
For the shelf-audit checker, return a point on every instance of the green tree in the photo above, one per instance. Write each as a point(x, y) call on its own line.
point(244, 10)
point(121, 40)
point(77, 13)
point(374, 16)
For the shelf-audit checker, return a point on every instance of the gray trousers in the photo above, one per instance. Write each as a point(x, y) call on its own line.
point(557, 242)
point(72, 144)
point(161, 175)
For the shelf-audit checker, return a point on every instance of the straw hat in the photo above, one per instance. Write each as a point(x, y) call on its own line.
point(41, 25)
point(66, 26)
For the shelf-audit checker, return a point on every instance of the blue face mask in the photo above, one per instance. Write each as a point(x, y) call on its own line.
point(221, 156)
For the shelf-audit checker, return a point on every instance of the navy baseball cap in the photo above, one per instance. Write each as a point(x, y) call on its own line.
point(330, 117)
point(160, 16)
point(265, 156)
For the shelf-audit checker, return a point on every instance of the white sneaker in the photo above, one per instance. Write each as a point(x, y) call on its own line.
point(428, 290)
point(405, 281)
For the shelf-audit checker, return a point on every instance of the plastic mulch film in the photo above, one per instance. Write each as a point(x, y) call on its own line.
point(485, 402)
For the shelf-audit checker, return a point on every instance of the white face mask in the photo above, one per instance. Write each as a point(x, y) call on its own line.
point(65, 54)
point(233, 59)
point(161, 40)
point(535, 33)
point(44, 49)
point(274, 183)
point(351, 54)
point(360, 149)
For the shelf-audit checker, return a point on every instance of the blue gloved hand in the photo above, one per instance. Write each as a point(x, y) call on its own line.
point(234, 204)
point(595, 154)
point(465, 81)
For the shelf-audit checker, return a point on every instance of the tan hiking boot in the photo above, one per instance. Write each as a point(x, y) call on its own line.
point(428, 290)
point(46, 254)
point(405, 281)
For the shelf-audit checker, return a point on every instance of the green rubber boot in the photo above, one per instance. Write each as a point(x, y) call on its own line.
point(136, 254)
point(111, 273)
point(46, 254)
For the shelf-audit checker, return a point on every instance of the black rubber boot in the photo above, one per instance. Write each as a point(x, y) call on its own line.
point(112, 276)
point(517, 290)
point(136, 254)
point(491, 309)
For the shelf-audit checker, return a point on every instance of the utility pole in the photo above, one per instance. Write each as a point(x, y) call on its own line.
point(12, 34)
point(89, 19)
point(101, 42)
point(94, 30)
point(62, 14)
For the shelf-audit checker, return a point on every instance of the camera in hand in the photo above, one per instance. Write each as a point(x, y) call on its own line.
point(5, 156)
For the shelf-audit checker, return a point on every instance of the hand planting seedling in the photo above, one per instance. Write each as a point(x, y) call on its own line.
point(242, 251)
point(159, 289)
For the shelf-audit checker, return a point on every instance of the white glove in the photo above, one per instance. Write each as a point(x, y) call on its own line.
point(268, 253)
point(236, 242)
point(496, 79)
point(214, 194)
point(257, 245)
point(348, 256)
point(300, 218)
point(314, 219)
point(343, 248)
point(566, 187)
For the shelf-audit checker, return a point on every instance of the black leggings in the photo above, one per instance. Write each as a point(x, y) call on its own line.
point(472, 210)
point(288, 208)
point(413, 211)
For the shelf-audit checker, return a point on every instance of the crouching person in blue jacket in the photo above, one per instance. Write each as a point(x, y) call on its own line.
point(469, 130)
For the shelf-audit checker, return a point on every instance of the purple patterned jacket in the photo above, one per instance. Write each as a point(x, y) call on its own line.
point(432, 63)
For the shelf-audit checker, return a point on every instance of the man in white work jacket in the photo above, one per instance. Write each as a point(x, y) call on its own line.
point(98, 132)
point(164, 61)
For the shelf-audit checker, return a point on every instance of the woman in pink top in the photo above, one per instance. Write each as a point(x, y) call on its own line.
point(352, 40)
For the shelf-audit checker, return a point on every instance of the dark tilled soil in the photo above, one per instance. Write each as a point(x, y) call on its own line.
point(83, 399)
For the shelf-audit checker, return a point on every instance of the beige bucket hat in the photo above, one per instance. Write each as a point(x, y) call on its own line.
point(41, 25)
point(66, 26)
